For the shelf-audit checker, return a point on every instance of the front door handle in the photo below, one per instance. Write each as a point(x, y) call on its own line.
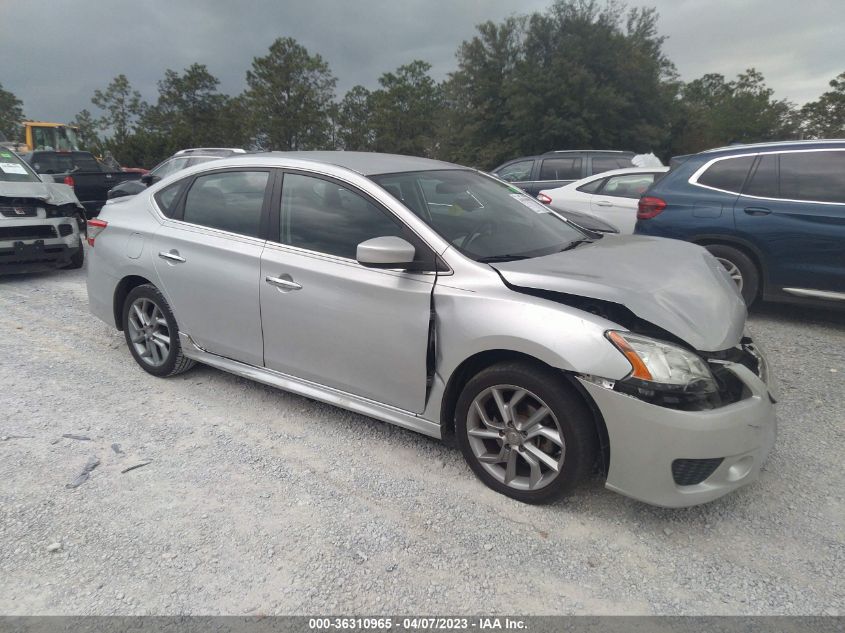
point(604, 203)
point(172, 256)
point(757, 211)
point(283, 282)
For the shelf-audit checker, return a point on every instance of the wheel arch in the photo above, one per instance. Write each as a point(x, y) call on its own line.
point(742, 245)
point(121, 291)
point(487, 358)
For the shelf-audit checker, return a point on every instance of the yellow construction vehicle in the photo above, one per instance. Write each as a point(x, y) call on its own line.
point(40, 135)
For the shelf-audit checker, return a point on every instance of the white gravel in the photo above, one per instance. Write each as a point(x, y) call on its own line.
point(261, 502)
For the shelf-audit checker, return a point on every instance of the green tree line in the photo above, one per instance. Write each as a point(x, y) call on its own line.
point(578, 75)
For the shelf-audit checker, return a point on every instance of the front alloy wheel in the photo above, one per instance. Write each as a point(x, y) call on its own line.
point(516, 437)
point(525, 431)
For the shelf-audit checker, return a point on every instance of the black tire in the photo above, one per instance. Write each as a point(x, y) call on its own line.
point(174, 362)
point(746, 267)
point(573, 417)
point(77, 259)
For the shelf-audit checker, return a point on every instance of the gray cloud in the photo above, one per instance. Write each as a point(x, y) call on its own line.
point(55, 53)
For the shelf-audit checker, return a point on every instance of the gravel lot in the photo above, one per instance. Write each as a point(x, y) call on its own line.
point(262, 502)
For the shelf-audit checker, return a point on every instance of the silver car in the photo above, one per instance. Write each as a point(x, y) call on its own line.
point(445, 301)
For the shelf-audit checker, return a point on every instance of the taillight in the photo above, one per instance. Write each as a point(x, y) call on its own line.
point(544, 198)
point(69, 181)
point(95, 227)
point(649, 207)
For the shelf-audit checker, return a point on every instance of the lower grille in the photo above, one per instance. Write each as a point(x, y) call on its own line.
point(36, 232)
point(688, 472)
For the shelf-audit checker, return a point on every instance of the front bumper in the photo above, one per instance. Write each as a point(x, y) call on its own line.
point(645, 439)
point(31, 244)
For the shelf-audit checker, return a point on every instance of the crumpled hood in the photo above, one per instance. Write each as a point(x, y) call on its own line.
point(675, 285)
point(50, 192)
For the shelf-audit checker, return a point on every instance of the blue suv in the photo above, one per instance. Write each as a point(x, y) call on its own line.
point(772, 213)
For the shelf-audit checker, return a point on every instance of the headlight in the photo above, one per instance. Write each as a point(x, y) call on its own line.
point(662, 366)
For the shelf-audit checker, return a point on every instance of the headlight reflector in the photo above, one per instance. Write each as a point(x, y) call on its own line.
point(663, 364)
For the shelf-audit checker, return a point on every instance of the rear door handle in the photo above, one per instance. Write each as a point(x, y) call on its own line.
point(284, 282)
point(757, 211)
point(172, 256)
point(604, 203)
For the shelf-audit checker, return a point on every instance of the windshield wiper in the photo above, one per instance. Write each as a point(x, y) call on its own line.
point(501, 258)
point(575, 243)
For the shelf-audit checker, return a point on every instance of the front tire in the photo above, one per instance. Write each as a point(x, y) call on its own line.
point(525, 432)
point(152, 333)
point(741, 269)
point(77, 259)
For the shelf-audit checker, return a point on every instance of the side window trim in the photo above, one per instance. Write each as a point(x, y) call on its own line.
point(263, 223)
point(693, 180)
point(276, 220)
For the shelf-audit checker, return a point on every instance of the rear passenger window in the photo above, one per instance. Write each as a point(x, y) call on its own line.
point(814, 176)
point(168, 197)
point(764, 178)
point(323, 216)
point(560, 169)
point(727, 174)
point(229, 201)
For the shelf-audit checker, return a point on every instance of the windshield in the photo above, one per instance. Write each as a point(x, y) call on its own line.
point(483, 218)
point(13, 169)
point(59, 138)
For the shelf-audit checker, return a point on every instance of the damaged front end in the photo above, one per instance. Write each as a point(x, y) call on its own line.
point(666, 370)
point(40, 231)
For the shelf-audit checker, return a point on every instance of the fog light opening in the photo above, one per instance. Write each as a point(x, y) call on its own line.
point(741, 468)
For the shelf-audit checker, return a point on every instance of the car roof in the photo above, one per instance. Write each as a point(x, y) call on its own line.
point(776, 145)
point(554, 152)
point(199, 150)
point(364, 163)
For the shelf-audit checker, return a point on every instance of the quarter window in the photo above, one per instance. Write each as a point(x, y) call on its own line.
point(229, 201)
point(168, 197)
point(517, 172)
point(813, 176)
point(728, 174)
point(561, 169)
point(323, 216)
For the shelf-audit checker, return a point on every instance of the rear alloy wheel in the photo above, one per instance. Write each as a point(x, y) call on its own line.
point(525, 432)
point(152, 334)
point(740, 268)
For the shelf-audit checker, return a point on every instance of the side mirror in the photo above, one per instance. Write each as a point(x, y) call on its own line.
point(385, 252)
point(147, 179)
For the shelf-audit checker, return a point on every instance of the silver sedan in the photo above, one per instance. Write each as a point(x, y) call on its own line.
point(440, 299)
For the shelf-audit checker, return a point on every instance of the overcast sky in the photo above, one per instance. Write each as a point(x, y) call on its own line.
point(55, 53)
